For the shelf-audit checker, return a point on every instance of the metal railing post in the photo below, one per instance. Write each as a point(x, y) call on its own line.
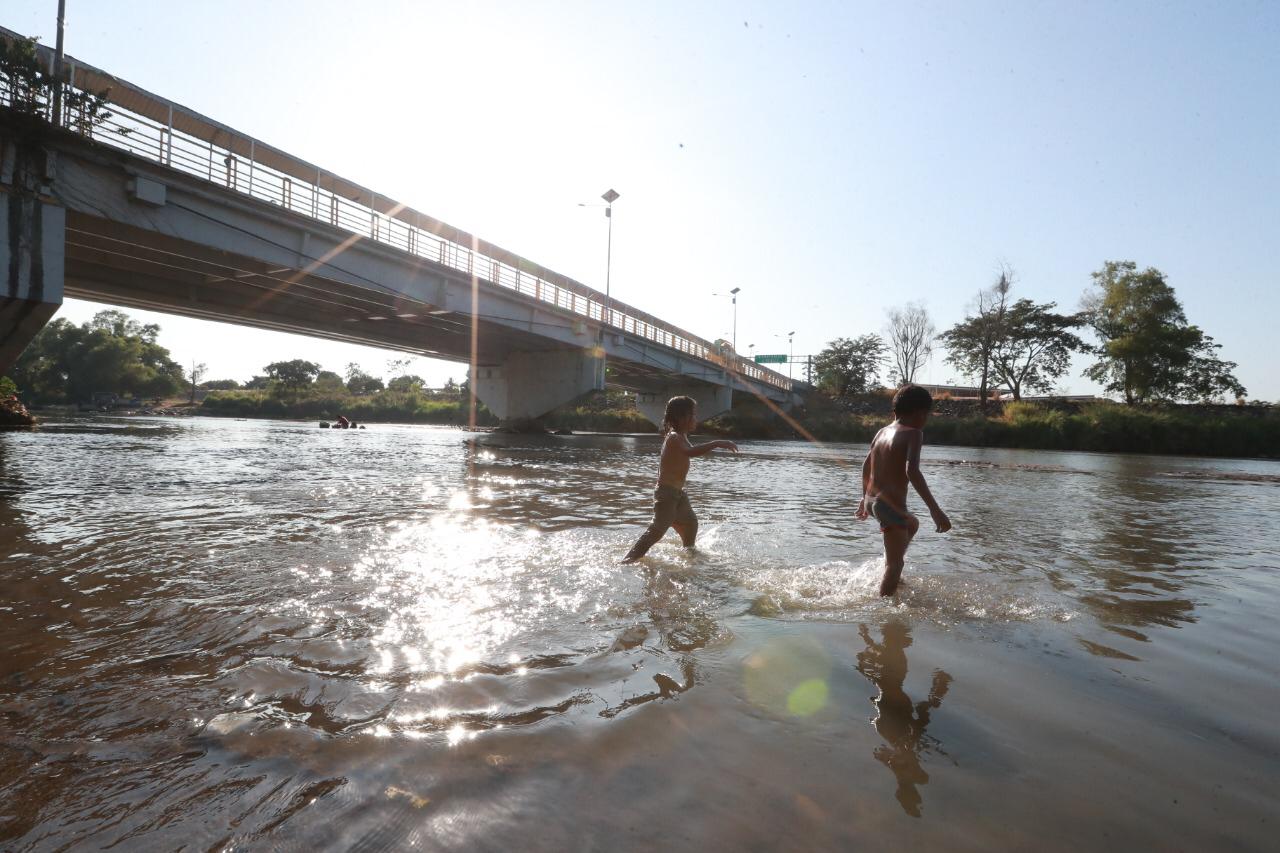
point(168, 153)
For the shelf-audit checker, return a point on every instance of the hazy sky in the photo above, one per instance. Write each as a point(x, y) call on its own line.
point(831, 159)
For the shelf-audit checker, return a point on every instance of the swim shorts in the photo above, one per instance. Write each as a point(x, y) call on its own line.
point(887, 515)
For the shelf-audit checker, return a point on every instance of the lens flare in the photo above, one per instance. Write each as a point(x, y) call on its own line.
point(788, 677)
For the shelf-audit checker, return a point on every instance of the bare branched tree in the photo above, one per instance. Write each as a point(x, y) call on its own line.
point(911, 334)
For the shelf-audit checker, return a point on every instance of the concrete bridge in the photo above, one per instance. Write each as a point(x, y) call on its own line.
point(164, 209)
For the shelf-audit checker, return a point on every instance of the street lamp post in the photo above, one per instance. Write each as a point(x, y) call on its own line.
point(791, 349)
point(733, 294)
point(609, 198)
point(606, 313)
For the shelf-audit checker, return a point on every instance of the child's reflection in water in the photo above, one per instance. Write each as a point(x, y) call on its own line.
point(898, 721)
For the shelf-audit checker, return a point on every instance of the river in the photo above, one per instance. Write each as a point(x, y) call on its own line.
point(244, 635)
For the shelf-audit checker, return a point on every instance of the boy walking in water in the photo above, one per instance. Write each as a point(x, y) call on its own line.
point(670, 504)
point(892, 463)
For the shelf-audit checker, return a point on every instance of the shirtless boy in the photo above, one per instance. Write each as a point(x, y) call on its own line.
point(892, 463)
point(670, 504)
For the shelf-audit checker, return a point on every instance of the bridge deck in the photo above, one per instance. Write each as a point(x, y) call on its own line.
point(175, 137)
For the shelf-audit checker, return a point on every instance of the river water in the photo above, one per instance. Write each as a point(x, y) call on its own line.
point(245, 635)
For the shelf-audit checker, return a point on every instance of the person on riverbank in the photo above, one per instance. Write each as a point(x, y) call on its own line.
point(892, 462)
point(670, 503)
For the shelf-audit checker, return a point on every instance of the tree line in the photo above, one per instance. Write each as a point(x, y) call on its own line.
point(1146, 349)
point(298, 376)
point(115, 354)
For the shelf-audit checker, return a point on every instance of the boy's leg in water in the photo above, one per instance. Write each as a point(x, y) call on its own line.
point(664, 513)
point(896, 540)
point(686, 523)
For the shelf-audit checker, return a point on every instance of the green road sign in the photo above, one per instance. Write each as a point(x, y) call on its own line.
point(771, 359)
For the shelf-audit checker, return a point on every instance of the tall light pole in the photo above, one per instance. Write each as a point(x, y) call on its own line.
point(610, 196)
point(57, 65)
point(791, 349)
point(733, 294)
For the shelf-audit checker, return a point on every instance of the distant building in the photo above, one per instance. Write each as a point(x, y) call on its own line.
point(963, 392)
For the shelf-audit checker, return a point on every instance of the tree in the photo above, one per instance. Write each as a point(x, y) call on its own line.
point(220, 385)
point(359, 382)
point(970, 343)
point(406, 383)
point(258, 383)
point(1035, 346)
point(1147, 350)
point(197, 373)
point(122, 325)
point(911, 335)
point(850, 366)
point(31, 85)
point(294, 374)
point(111, 353)
point(329, 382)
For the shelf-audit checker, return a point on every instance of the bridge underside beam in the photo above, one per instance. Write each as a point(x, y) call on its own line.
point(712, 400)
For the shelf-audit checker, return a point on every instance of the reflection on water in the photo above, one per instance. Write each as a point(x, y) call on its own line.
point(900, 722)
point(277, 629)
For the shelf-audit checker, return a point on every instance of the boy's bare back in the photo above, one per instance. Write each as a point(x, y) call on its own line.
point(892, 452)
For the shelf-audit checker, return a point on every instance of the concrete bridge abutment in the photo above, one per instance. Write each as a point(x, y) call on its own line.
point(712, 400)
point(528, 385)
point(32, 248)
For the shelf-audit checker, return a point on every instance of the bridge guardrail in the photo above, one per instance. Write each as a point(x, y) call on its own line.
point(199, 154)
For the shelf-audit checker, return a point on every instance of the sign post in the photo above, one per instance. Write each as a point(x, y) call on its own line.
point(772, 359)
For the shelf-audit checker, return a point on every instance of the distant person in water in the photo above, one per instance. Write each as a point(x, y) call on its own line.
point(892, 462)
point(670, 504)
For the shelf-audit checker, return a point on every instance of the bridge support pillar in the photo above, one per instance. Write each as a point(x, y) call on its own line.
point(712, 400)
point(529, 384)
point(32, 251)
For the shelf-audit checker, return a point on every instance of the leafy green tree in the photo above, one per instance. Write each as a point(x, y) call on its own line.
point(359, 382)
point(31, 85)
point(329, 382)
point(8, 388)
point(406, 383)
point(1147, 350)
point(850, 366)
point(220, 385)
point(971, 342)
point(258, 383)
point(111, 353)
point(294, 374)
point(1034, 347)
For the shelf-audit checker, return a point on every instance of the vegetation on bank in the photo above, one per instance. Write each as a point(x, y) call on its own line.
point(1242, 431)
point(413, 406)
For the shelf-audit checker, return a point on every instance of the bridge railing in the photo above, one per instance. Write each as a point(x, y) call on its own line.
point(185, 141)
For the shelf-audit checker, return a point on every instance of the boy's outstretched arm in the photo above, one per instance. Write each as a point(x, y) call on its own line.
point(706, 447)
point(916, 478)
